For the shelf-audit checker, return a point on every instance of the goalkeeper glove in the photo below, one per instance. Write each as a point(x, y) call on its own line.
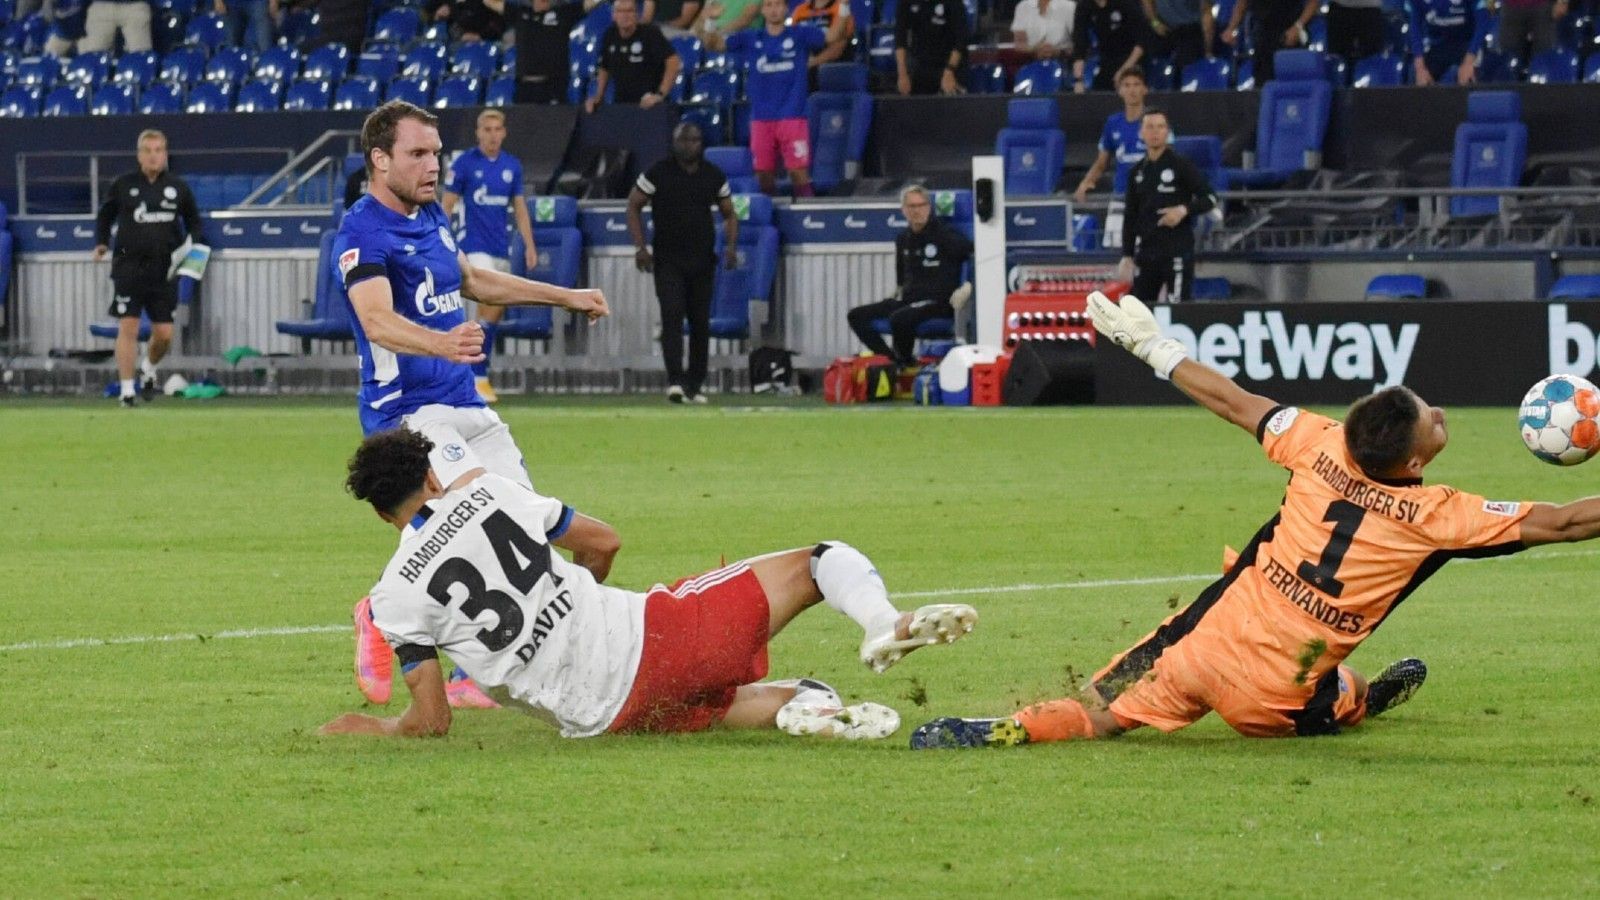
point(1131, 326)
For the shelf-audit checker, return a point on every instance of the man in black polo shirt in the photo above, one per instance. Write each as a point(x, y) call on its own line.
point(1113, 28)
point(928, 257)
point(147, 207)
point(636, 57)
point(1277, 25)
point(1165, 193)
point(930, 38)
point(544, 35)
point(681, 191)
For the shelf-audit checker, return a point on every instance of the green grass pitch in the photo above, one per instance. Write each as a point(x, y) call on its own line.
point(191, 765)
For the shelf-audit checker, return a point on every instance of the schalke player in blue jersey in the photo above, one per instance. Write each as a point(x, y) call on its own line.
point(405, 280)
point(490, 183)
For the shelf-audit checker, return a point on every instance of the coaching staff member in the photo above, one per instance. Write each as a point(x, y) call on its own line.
point(928, 257)
point(681, 190)
point(153, 210)
point(930, 40)
point(1165, 192)
point(635, 57)
point(544, 36)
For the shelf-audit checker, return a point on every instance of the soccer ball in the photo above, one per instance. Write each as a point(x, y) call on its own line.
point(1558, 419)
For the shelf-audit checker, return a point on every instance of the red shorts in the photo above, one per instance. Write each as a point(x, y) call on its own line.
point(789, 138)
point(703, 638)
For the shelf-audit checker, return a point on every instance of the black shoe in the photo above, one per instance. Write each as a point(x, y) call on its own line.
point(951, 733)
point(1395, 685)
point(147, 388)
point(129, 402)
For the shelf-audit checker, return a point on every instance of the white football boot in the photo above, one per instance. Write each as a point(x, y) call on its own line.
point(940, 623)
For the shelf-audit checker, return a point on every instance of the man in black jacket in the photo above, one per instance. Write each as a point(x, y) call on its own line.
point(1116, 30)
point(1165, 192)
point(928, 257)
point(930, 40)
point(153, 210)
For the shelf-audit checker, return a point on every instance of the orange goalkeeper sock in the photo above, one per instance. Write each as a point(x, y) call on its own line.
point(1056, 720)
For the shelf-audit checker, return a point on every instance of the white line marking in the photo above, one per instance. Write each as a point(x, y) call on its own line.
point(77, 643)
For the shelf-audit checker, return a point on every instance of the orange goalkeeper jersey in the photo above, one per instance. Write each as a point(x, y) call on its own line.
point(1317, 579)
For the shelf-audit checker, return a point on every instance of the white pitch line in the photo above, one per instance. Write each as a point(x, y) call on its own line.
point(77, 643)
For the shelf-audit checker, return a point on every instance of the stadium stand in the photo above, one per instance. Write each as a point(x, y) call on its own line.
point(260, 96)
point(281, 63)
point(1033, 146)
point(458, 90)
point(1214, 74)
point(308, 94)
point(114, 99)
point(1383, 70)
point(501, 92)
point(840, 114)
point(356, 92)
point(330, 63)
point(67, 100)
point(161, 97)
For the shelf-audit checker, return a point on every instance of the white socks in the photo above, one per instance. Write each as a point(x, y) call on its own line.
point(147, 368)
point(127, 387)
point(851, 585)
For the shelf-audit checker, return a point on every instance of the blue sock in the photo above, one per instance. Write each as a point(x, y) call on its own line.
point(481, 370)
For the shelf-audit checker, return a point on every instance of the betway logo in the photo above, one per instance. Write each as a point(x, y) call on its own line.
point(1349, 351)
point(1574, 348)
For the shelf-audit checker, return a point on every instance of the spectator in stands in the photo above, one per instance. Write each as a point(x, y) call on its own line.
point(1356, 29)
point(490, 183)
point(778, 69)
point(343, 22)
point(681, 190)
point(729, 16)
point(673, 17)
point(1446, 34)
point(826, 15)
point(469, 20)
point(1278, 25)
point(543, 34)
point(637, 58)
point(1119, 139)
point(1181, 30)
point(928, 257)
point(1043, 27)
point(1113, 28)
point(1165, 193)
point(1528, 27)
point(107, 17)
point(258, 14)
point(930, 40)
point(153, 211)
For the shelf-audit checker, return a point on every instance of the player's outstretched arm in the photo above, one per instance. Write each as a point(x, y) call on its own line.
point(503, 289)
point(1554, 524)
point(593, 544)
point(1130, 326)
point(427, 716)
point(373, 301)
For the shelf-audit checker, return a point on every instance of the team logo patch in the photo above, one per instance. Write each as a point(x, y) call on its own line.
point(505, 175)
point(453, 452)
point(637, 47)
point(171, 193)
point(1166, 175)
point(347, 261)
point(544, 210)
point(1281, 420)
point(930, 251)
point(449, 240)
point(1501, 507)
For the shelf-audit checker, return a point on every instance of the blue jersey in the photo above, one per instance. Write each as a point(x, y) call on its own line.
point(1120, 138)
point(777, 65)
point(1459, 26)
point(418, 255)
point(486, 188)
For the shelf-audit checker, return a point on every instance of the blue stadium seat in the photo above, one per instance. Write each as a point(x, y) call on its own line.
point(209, 97)
point(479, 59)
point(67, 100)
point(27, 36)
point(412, 90)
point(7, 254)
point(1160, 74)
point(260, 95)
point(1033, 147)
point(330, 311)
point(357, 92)
point(1558, 65)
point(708, 117)
point(840, 116)
point(1292, 122)
point(161, 97)
point(1091, 68)
point(1205, 151)
point(1244, 75)
point(137, 68)
point(226, 68)
point(1397, 287)
point(40, 72)
point(1317, 34)
point(1214, 74)
point(560, 243)
point(508, 60)
point(1038, 77)
point(1576, 287)
point(594, 23)
point(986, 78)
point(880, 49)
point(689, 52)
point(1491, 147)
point(330, 63)
point(184, 65)
point(1383, 70)
point(299, 27)
point(397, 26)
point(113, 100)
point(434, 33)
point(208, 30)
point(736, 163)
point(280, 63)
point(88, 69)
point(381, 63)
point(501, 92)
point(1591, 68)
point(8, 61)
point(425, 61)
point(756, 273)
point(166, 31)
point(308, 94)
point(1213, 289)
point(457, 91)
point(20, 101)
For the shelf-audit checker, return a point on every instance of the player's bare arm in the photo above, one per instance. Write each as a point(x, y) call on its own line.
point(1218, 393)
point(1550, 523)
point(502, 289)
point(449, 202)
point(592, 543)
point(427, 716)
point(373, 301)
point(519, 212)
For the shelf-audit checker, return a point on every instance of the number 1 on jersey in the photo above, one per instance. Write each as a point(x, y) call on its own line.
point(1346, 518)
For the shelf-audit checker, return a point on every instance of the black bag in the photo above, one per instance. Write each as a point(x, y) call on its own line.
point(771, 369)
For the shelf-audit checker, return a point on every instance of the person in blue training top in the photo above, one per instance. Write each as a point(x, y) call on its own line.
point(491, 183)
point(406, 281)
point(1447, 33)
point(777, 57)
point(1119, 139)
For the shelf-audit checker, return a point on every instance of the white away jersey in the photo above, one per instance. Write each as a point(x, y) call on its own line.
point(476, 578)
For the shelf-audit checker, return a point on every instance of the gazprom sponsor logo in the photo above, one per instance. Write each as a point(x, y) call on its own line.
point(308, 228)
point(430, 303)
point(144, 216)
point(482, 197)
point(1022, 221)
point(267, 228)
point(231, 230)
point(79, 231)
point(616, 225)
point(854, 223)
point(810, 224)
point(44, 233)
